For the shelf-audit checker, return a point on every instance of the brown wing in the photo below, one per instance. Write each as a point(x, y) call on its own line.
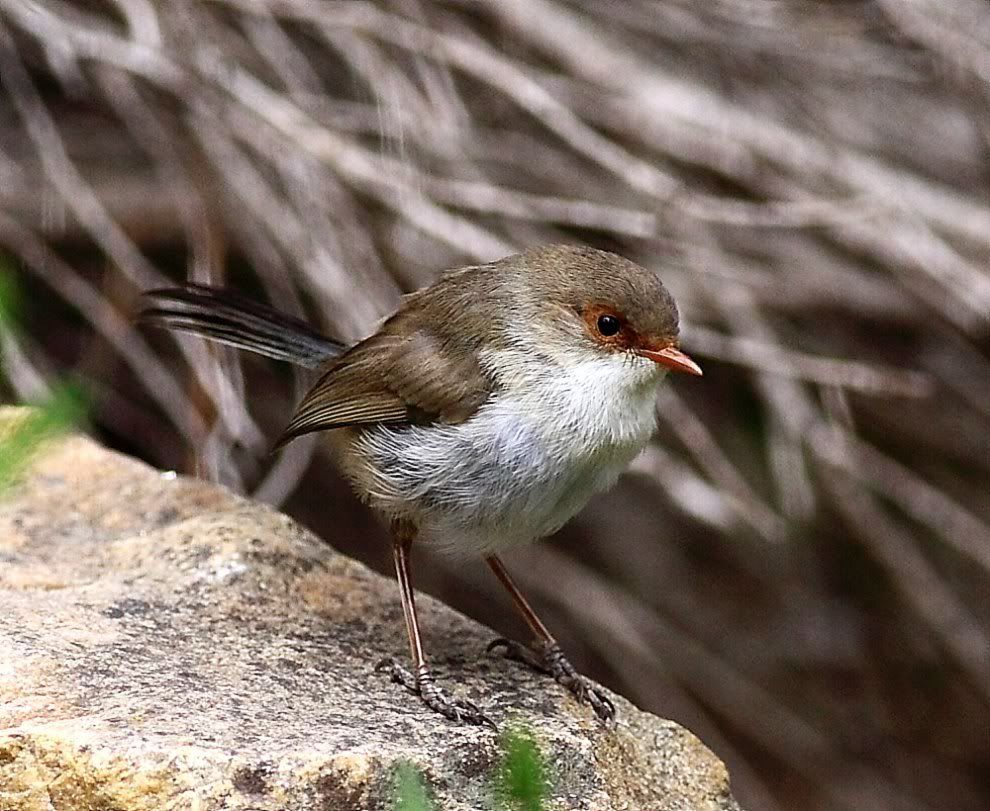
point(405, 373)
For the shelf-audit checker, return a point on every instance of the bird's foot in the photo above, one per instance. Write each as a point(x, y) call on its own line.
point(547, 657)
point(433, 696)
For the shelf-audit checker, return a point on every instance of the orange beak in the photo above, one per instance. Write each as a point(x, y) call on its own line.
point(672, 357)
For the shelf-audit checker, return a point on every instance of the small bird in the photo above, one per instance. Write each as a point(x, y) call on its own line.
point(483, 414)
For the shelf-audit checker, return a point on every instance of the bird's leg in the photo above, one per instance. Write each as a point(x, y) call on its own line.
point(544, 654)
point(420, 681)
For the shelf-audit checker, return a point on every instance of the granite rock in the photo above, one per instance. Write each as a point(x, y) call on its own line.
point(165, 644)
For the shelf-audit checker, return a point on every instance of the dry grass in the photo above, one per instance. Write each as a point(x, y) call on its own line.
point(798, 569)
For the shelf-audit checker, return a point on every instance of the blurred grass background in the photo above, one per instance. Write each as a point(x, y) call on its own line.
point(797, 569)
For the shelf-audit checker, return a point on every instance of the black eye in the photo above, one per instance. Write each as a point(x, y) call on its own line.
point(608, 325)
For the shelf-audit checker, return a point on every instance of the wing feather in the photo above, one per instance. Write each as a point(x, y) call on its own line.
point(406, 373)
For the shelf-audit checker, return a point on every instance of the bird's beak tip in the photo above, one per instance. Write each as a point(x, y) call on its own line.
point(674, 359)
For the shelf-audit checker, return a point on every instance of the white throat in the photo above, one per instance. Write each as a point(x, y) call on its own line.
point(608, 398)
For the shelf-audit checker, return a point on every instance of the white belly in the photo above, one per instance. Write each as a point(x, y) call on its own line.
point(520, 467)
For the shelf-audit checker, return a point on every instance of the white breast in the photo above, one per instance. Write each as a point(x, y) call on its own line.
point(525, 463)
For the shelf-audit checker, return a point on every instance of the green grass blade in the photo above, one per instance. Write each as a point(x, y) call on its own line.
point(64, 409)
point(409, 790)
point(8, 295)
point(522, 775)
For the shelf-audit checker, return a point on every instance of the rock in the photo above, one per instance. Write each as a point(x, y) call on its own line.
point(167, 645)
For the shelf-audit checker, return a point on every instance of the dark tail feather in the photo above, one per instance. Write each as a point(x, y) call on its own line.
point(232, 319)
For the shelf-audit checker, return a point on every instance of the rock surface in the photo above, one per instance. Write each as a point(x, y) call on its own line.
point(167, 645)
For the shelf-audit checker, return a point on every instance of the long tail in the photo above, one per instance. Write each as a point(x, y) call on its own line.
point(232, 319)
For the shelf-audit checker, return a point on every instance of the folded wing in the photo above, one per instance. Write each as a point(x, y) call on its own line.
point(406, 373)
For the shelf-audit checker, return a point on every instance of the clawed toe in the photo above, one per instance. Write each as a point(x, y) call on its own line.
point(550, 659)
point(588, 693)
point(518, 653)
point(433, 696)
point(456, 709)
point(398, 674)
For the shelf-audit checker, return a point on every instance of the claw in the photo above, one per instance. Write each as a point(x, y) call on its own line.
point(433, 696)
point(519, 653)
point(550, 659)
point(499, 642)
point(398, 674)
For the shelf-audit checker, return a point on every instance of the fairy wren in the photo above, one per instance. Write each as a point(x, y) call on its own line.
point(482, 414)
